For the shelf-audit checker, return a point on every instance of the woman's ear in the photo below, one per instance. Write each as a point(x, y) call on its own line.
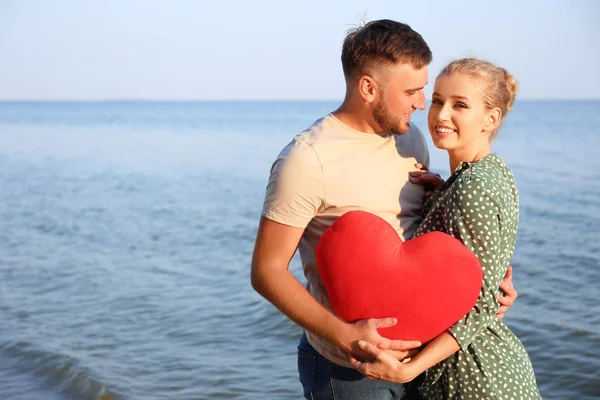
point(367, 88)
point(493, 119)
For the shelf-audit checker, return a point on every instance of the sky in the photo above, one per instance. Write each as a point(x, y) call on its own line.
point(276, 50)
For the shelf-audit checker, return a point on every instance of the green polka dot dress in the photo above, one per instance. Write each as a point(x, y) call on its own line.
point(479, 204)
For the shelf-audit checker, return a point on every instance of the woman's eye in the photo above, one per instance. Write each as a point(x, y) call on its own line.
point(461, 105)
point(435, 101)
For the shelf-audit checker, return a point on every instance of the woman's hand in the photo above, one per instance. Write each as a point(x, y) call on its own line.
point(425, 177)
point(384, 366)
point(403, 355)
point(510, 294)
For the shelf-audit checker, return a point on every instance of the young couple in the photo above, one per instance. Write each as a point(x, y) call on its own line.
point(366, 155)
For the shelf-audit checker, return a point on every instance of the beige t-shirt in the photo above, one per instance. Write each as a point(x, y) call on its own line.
point(331, 169)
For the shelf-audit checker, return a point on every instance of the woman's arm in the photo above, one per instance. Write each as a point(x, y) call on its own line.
point(473, 217)
point(388, 368)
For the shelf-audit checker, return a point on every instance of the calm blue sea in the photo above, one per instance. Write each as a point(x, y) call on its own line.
point(126, 231)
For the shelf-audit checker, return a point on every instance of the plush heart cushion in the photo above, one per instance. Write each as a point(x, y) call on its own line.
point(427, 283)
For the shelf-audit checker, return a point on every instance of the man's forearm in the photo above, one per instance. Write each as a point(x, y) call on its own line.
point(286, 293)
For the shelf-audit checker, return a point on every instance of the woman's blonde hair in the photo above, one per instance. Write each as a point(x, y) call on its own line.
point(500, 87)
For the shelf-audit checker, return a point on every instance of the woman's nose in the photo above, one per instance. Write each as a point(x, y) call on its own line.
point(444, 114)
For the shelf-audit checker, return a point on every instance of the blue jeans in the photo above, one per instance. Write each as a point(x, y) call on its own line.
point(324, 380)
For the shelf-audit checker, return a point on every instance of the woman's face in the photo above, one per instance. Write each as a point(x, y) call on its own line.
point(458, 117)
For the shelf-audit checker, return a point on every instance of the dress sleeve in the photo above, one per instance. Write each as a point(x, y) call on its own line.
point(295, 191)
point(474, 217)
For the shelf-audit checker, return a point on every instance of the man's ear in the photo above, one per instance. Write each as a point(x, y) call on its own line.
point(367, 88)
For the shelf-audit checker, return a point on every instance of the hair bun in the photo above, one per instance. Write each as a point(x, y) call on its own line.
point(512, 86)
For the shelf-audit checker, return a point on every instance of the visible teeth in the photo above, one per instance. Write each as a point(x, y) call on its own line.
point(445, 130)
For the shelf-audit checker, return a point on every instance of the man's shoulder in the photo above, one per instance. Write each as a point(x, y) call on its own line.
point(301, 149)
point(417, 135)
point(413, 144)
point(306, 141)
point(318, 131)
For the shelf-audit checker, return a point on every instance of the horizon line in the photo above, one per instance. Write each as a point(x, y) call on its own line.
point(182, 100)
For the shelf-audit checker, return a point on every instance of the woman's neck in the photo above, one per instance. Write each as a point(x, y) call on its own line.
point(458, 156)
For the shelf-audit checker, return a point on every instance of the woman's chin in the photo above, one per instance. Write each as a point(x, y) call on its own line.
point(442, 144)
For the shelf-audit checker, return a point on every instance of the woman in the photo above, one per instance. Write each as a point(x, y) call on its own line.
point(479, 357)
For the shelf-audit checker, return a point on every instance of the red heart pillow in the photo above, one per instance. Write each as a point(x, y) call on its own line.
point(427, 283)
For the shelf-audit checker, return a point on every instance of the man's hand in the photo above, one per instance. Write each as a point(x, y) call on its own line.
point(366, 330)
point(383, 366)
point(510, 294)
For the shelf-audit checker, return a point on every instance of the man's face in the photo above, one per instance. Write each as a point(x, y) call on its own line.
point(400, 94)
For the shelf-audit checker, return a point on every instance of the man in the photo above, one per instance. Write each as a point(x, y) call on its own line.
point(358, 157)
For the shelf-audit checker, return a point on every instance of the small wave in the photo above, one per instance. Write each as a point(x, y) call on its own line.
point(61, 373)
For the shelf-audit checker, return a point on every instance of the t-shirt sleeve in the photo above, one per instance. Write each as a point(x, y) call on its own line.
point(474, 217)
point(295, 191)
point(421, 150)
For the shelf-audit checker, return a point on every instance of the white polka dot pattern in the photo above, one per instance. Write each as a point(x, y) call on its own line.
point(479, 204)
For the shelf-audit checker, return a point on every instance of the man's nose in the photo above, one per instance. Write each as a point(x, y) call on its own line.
point(420, 103)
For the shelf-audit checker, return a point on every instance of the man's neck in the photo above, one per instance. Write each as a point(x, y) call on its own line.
point(357, 118)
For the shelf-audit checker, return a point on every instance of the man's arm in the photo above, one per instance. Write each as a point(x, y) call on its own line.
point(387, 368)
point(274, 248)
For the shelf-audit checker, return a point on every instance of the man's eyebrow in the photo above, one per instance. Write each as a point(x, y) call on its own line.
point(416, 89)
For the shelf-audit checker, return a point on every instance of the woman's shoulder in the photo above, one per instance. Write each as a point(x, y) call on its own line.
point(489, 179)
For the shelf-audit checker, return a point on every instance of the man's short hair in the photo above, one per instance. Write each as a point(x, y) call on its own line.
point(381, 42)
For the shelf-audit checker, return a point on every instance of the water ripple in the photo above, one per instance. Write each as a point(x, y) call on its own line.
point(125, 251)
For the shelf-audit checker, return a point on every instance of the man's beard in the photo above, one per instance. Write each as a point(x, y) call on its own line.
point(387, 122)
